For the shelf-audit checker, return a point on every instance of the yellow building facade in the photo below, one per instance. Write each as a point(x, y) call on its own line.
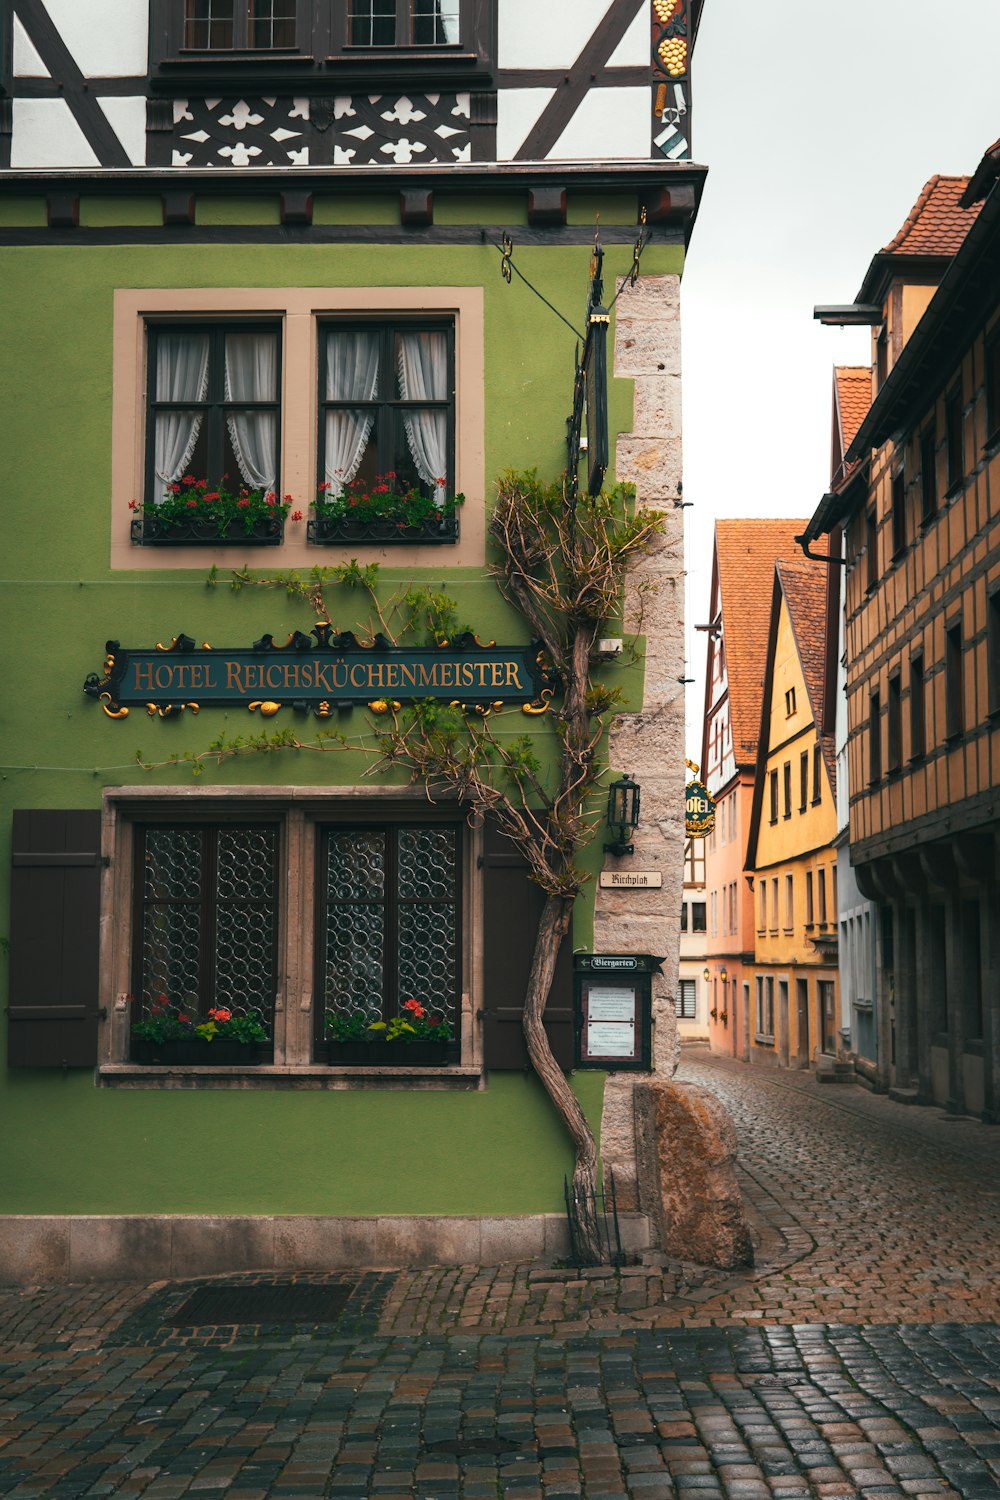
point(791, 858)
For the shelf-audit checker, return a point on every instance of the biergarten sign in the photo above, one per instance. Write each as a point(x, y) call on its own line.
point(699, 811)
point(320, 673)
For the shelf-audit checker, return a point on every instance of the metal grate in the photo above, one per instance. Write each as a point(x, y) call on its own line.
point(211, 1305)
point(605, 1208)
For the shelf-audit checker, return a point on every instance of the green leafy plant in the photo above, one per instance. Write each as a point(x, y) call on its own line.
point(385, 499)
point(415, 1023)
point(170, 1021)
point(191, 499)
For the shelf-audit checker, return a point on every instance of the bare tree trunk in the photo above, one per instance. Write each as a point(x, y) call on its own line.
point(552, 928)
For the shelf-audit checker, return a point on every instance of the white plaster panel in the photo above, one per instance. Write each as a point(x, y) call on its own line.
point(45, 134)
point(517, 111)
point(128, 121)
point(547, 35)
point(24, 58)
point(633, 49)
point(108, 38)
point(610, 124)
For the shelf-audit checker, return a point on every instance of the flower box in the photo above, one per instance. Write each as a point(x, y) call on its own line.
point(183, 1052)
point(327, 531)
point(381, 1054)
point(149, 531)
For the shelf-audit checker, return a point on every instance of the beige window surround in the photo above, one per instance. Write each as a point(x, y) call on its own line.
point(299, 309)
point(300, 810)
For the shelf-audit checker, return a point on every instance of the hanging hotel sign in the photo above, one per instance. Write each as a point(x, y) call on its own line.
point(319, 673)
point(699, 811)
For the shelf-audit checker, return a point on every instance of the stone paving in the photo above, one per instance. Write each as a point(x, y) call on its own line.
point(861, 1357)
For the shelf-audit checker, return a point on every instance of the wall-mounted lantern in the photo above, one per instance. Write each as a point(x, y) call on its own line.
point(724, 974)
point(706, 974)
point(623, 813)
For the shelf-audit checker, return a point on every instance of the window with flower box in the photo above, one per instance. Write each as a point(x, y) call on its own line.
point(386, 432)
point(212, 435)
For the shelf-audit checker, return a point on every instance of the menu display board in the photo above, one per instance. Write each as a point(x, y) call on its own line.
point(613, 1003)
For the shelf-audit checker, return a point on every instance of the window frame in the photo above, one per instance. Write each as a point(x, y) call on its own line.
point(954, 680)
point(687, 989)
point(215, 407)
point(874, 737)
point(928, 475)
point(918, 712)
point(322, 62)
point(898, 512)
point(993, 651)
point(992, 382)
point(392, 906)
point(300, 812)
point(298, 310)
point(954, 432)
point(894, 722)
point(387, 329)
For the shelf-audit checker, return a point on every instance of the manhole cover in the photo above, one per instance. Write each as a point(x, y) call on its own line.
point(261, 1304)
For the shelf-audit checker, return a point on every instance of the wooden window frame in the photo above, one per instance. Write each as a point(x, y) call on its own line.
point(789, 903)
point(954, 680)
point(817, 776)
point(992, 361)
point(803, 780)
point(391, 905)
point(993, 651)
point(871, 548)
point(894, 722)
point(301, 813)
point(786, 788)
point(928, 475)
point(698, 922)
point(773, 786)
point(386, 406)
point(810, 908)
point(874, 737)
point(918, 714)
point(215, 408)
point(954, 429)
point(687, 989)
point(323, 59)
point(898, 514)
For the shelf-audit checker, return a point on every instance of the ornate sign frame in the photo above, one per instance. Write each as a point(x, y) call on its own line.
point(322, 673)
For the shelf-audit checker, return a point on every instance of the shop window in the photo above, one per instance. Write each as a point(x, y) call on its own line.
point(687, 1000)
point(387, 406)
point(213, 406)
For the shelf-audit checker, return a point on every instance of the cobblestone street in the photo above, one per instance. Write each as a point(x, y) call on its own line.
point(860, 1357)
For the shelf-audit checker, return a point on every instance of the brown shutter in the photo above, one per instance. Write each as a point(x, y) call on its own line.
point(54, 934)
point(513, 905)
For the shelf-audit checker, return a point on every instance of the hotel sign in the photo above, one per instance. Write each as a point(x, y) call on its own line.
point(699, 811)
point(319, 673)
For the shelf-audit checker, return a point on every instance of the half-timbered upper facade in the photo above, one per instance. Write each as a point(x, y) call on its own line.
point(921, 514)
point(315, 83)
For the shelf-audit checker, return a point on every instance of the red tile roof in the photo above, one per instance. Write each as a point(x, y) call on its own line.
point(804, 585)
point(854, 396)
point(746, 552)
point(937, 223)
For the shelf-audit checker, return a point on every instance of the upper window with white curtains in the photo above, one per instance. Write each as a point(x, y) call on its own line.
point(213, 406)
point(388, 408)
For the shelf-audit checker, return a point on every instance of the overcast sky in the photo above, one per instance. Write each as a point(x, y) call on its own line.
point(819, 122)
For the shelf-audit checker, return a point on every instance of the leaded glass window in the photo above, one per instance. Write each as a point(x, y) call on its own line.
point(390, 919)
point(223, 25)
point(207, 918)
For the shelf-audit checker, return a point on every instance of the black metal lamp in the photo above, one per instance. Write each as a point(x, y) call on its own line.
point(623, 813)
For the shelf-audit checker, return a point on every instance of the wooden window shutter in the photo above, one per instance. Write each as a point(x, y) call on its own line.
point(513, 905)
point(54, 935)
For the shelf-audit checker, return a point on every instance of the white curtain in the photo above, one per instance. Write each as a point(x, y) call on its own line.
point(251, 375)
point(351, 375)
point(181, 375)
point(423, 376)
